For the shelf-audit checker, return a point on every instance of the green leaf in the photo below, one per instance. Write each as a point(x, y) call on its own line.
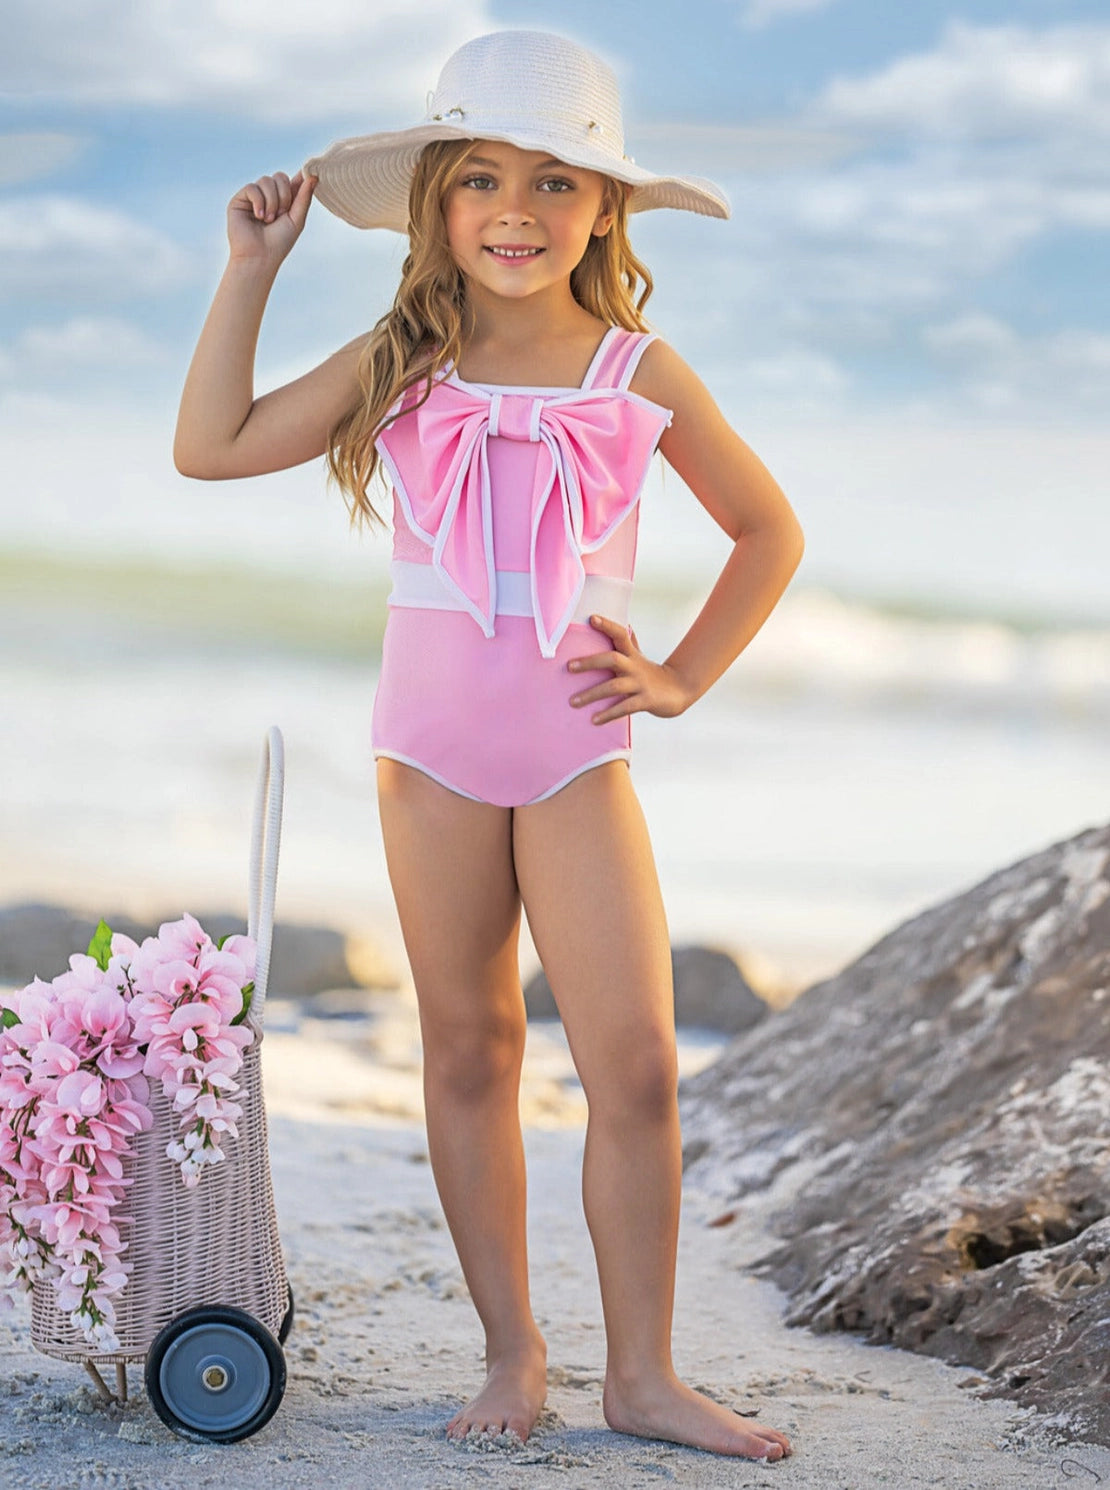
point(247, 992)
point(8, 1018)
point(100, 948)
point(225, 938)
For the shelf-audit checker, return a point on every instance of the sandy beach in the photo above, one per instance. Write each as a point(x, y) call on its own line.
point(386, 1344)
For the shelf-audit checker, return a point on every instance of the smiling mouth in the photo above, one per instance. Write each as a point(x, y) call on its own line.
point(513, 253)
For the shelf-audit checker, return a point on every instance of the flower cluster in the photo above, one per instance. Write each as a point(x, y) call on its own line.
point(76, 1058)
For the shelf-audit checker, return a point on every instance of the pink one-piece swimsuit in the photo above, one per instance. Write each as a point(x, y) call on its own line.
point(514, 520)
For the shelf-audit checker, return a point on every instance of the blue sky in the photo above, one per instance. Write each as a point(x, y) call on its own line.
point(912, 290)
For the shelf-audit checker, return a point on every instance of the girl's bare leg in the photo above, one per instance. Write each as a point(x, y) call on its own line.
point(450, 865)
point(587, 876)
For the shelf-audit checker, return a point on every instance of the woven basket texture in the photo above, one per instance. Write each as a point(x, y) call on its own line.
point(217, 1243)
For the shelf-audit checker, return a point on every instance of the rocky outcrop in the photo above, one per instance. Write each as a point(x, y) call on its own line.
point(710, 992)
point(936, 1119)
point(37, 940)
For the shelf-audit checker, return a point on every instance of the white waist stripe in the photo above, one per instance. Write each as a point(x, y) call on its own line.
point(419, 587)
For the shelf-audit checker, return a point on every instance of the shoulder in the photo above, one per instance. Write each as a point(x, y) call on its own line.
point(667, 379)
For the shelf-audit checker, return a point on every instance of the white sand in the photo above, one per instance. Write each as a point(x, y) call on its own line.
point(386, 1343)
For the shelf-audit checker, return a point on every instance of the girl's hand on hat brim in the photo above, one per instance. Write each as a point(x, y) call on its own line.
point(266, 217)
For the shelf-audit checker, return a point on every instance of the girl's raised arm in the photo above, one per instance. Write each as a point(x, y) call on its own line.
point(222, 429)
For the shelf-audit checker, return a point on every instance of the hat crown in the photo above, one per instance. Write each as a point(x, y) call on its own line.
point(535, 85)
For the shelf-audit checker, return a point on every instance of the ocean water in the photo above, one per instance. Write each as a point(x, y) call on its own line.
point(857, 764)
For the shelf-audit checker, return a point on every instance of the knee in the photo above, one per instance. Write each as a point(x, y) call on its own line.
point(641, 1084)
point(467, 1059)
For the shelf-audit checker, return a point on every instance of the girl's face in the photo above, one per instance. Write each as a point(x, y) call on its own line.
point(518, 221)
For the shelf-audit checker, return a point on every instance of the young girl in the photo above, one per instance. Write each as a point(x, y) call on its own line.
point(515, 400)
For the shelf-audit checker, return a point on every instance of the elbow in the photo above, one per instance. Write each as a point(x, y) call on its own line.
point(791, 537)
point(193, 464)
point(185, 467)
point(782, 539)
point(797, 542)
point(186, 461)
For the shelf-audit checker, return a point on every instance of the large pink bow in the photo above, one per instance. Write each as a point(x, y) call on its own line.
point(594, 456)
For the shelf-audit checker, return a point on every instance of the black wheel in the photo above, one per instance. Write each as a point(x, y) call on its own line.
point(215, 1375)
point(287, 1319)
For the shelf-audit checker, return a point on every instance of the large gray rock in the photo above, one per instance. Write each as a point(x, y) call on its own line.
point(937, 1118)
point(710, 991)
point(37, 940)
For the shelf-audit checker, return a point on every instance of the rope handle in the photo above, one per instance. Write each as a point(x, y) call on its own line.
point(265, 843)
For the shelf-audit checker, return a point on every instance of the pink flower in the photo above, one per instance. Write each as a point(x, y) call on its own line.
point(51, 1061)
point(81, 1093)
point(74, 1093)
point(37, 1008)
point(108, 1025)
point(245, 949)
point(183, 939)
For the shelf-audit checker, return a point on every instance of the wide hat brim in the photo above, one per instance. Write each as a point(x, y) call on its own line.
point(365, 180)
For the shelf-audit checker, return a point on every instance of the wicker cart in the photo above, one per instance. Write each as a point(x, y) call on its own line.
point(207, 1304)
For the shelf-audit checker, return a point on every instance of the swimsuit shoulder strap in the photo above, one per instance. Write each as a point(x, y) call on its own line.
point(620, 358)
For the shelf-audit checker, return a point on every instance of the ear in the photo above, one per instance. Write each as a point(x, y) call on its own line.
point(605, 219)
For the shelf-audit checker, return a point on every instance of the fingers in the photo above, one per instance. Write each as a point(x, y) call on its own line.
point(618, 689)
point(613, 661)
point(634, 683)
point(620, 698)
point(620, 634)
point(270, 197)
point(624, 644)
point(304, 187)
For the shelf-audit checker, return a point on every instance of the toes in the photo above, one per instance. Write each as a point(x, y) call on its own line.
point(461, 1427)
point(775, 1447)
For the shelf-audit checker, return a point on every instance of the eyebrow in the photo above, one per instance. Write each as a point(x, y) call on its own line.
point(481, 160)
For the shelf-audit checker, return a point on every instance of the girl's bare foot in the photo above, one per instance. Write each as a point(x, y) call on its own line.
point(514, 1392)
point(668, 1409)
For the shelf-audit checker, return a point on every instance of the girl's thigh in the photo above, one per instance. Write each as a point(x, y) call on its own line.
point(450, 864)
point(589, 885)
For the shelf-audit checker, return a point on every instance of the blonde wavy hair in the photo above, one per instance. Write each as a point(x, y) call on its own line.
point(424, 331)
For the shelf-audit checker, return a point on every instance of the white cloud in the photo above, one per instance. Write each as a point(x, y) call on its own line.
point(967, 155)
point(103, 342)
point(888, 238)
point(986, 83)
point(70, 250)
point(794, 378)
point(1002, 372)
point(974, 335)
point(929, 212)
point(757, 14)
point(94, 475)
point(28, 154)
point(685, 148)
point(273, 59)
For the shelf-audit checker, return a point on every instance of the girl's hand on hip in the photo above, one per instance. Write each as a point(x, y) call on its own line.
point(265, 219)
point(637, 684)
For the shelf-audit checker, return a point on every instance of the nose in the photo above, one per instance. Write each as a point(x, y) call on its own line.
point(515, 205)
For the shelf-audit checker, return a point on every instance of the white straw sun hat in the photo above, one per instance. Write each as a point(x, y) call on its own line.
point(529, 88)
